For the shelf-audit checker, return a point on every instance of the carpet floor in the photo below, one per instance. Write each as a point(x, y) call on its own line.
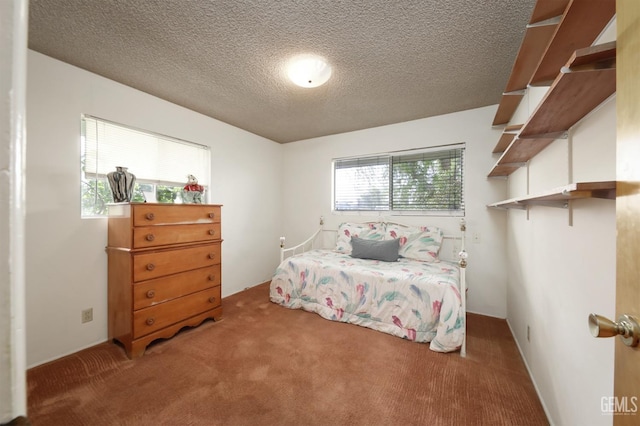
point(267, 365)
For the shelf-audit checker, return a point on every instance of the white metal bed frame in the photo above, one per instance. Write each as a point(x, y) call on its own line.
point(309, 244)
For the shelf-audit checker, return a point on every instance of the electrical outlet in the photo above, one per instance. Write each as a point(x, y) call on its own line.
point(528, 334)
point(87, 315)
point(476, 237)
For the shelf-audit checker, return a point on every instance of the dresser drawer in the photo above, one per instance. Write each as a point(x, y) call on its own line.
point(148, 320)
point(153, 236)
point(174, 214)
point(152, 292)
point(159, 263)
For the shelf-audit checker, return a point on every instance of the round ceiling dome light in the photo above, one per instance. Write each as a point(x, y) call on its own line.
point(308, 71)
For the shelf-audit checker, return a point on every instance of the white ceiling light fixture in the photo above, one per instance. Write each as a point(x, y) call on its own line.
point(308, 70)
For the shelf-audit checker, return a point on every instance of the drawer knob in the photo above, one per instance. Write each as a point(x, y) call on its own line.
point(150, 216)
point(150, 266)
point(212, 215)
point(212, 277)
point(212, 255)
point(212, 299)
point(151, 294)
point(150, 237)
point(150, 321)
point(212, 231)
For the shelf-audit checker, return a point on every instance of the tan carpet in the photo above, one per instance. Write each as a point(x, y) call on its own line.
point(268, 365)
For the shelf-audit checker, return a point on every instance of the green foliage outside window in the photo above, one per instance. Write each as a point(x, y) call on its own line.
point(168, 194)
point(426, 181)
point(96, 195)
point(434, 184)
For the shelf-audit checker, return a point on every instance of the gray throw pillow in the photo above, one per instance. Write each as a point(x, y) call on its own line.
point(386, 250)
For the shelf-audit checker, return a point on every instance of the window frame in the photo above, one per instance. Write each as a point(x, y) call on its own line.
point(399, 212)
point(98, 184)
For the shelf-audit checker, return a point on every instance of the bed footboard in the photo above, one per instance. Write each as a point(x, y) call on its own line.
point(462, 262)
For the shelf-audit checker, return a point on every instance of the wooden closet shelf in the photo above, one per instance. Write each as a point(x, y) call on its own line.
point(509, 133)
point(576, 90)
point(559, 197)
point(517, 154)
point(589, 77)
point(582, 22)
point(503, 170)
point(508, 104)
point(533, 46)
point(542, 26)
point(547, 9)
point(556, 29)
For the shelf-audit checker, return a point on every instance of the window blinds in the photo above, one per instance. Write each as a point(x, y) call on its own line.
point(362, 183)
point(428, 181)
point(425, 180)
point(149, 156)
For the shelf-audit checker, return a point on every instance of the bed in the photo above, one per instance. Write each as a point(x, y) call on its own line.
point(416, 296)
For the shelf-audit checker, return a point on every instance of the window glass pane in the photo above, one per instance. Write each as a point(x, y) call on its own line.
point(362, 184)
point(428, 181)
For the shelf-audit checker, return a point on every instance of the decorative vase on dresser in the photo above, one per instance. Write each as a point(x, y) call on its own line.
point(122, 183)
point(164, 270)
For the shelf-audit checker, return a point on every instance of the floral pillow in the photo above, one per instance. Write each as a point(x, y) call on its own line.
point(418, 243)
point(367, 231)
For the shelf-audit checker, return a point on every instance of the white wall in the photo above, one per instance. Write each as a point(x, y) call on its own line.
point(66, 261)
point(307, 191)
point(559, 274)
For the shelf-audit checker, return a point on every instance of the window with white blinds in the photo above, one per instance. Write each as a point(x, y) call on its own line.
point(362, 183)
point(160, 163)
point(420, 181)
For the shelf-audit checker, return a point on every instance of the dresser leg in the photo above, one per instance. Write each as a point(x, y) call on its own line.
point(137, 350)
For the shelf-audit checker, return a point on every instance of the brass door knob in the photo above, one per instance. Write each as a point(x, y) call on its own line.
point(627, 328)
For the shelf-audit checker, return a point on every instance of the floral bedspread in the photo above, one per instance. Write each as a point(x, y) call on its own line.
point(419, 301)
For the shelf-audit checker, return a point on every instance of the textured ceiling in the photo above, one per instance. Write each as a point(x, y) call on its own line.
point(393, 60)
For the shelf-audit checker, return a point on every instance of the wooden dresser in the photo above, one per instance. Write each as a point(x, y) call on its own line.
point(164, 270)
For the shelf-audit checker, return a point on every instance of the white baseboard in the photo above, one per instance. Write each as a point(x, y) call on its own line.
point(533, 380)
point(67, 354)
point(485, 315)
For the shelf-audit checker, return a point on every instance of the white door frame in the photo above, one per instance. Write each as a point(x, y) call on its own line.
point(13, 76)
